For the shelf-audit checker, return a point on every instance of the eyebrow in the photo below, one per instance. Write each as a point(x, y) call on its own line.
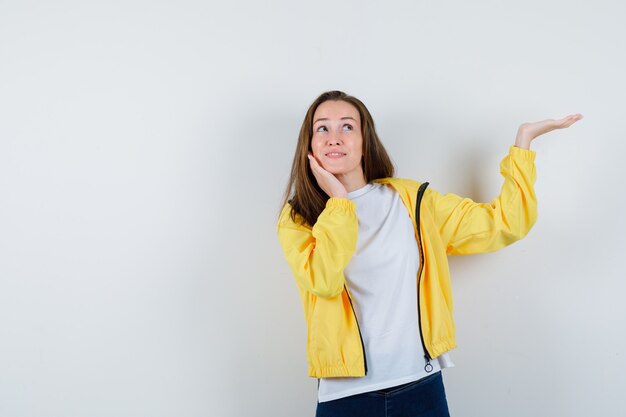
point(343, 118)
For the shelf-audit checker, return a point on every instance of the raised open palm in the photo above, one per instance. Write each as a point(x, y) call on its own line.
point(529, 131)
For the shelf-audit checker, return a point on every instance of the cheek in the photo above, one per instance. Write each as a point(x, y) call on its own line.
point(357, 147)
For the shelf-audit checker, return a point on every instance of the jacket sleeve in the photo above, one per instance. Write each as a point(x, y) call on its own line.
point(467, 227)
point(317, 256)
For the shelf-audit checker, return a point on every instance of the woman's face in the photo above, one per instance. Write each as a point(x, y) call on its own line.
point(337, 142)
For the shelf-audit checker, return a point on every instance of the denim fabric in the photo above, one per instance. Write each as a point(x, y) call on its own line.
point(425, 397)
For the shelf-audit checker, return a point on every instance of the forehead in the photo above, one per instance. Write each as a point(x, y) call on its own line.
point(334, 109)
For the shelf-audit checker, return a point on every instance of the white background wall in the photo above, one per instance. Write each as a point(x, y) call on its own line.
point(144, 148)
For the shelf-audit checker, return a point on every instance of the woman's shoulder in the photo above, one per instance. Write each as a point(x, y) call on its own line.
point(401, 185)
point(408, 189)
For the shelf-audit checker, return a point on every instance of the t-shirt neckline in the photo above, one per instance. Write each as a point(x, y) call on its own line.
point(360, 191)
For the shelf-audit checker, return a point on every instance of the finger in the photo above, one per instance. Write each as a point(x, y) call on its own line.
point(575, 117)
point(312, 162)
point(570, 120)
point(315, 171)
point(561, 123)
point(316, 168)
point(315, 163)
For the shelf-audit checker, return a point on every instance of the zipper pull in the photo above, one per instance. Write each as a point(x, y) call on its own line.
point(428, 368)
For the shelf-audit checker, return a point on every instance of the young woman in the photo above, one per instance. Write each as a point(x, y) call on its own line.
point(369, 256)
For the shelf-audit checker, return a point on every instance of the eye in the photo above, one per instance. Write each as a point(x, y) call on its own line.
point(318, 129)
point(350, 126)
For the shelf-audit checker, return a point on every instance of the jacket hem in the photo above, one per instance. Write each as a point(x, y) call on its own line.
point(335, 371)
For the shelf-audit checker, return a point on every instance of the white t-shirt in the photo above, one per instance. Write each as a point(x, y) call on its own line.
point(382, 279)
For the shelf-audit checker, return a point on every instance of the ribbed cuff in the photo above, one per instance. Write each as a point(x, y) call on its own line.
point(521, 153)
point(339, 202)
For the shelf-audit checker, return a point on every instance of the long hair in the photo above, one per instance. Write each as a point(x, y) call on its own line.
point(308, 199)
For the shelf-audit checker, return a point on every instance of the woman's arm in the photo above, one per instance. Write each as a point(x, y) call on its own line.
point(318, 255)
point(467, 227)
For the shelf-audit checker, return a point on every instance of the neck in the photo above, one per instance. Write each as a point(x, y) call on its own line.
point(353, 182)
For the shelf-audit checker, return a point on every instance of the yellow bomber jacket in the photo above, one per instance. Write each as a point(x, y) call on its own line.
point(443, 224)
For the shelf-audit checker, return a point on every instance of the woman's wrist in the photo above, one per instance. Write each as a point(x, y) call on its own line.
point(522, 140)
point(522, 144)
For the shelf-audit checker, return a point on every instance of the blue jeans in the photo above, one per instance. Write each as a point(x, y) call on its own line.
point(425, 397)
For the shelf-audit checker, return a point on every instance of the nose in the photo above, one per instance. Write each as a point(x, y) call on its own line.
point(334, 139)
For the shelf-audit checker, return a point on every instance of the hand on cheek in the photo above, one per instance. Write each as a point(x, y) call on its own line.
point(327, 181)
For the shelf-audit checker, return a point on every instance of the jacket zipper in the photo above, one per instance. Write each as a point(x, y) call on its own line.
point(428, 367)
point(359, 328)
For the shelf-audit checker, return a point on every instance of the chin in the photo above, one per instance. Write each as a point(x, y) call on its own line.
point(335, 171)
point(337, 168)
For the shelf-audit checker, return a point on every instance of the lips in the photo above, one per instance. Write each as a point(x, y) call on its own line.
point(335, 155)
